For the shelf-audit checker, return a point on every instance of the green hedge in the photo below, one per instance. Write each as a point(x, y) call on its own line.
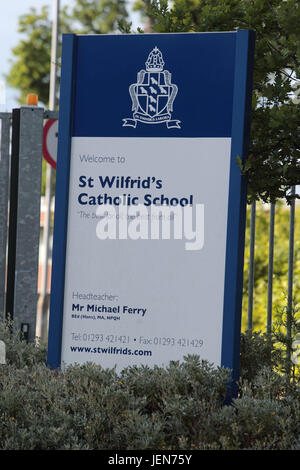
point(174, 408)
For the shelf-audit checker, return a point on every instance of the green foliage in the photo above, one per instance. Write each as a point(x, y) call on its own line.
point(18, 352)
point(30, 70)
point(287, 321)
point(257, 351)
point(173, 408)
point(273, 165)
point(98, 16)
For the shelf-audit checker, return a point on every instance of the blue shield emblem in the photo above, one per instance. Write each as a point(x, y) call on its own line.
point(153, 94)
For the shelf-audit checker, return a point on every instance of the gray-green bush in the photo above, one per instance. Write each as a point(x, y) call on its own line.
point(178, 407)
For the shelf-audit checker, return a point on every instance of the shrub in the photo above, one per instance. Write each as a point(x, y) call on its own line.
point(257, 350)
point(177, 407)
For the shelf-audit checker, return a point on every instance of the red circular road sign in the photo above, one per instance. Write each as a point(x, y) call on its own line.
point(50, 141)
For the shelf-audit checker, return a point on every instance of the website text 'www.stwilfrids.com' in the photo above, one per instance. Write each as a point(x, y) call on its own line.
point(111, 350)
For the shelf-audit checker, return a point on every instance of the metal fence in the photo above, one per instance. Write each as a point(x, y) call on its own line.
point(290, 274)
point(28, 217)
point(270, 274)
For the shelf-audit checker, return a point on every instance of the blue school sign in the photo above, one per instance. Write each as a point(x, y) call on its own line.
point(150, 202)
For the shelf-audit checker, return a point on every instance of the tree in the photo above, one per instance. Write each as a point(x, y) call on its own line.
point(273, 165)
point(30, 69)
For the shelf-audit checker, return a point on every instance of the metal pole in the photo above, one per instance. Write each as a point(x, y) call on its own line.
point(43, 302)
point(54, 49)
point(290, 280)
point(4, 188)
point(270, 268)
point(24, 219)
point(251, 265)
point(13, 212)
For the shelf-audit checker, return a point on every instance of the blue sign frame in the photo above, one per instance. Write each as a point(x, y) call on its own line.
point(228, 115)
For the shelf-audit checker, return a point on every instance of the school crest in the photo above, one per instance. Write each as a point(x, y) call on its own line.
point(153, 94)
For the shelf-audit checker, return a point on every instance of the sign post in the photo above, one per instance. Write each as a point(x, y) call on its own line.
point(150, 201)
point(24, 219)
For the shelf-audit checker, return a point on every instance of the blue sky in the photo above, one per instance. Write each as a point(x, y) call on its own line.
point(9, 36)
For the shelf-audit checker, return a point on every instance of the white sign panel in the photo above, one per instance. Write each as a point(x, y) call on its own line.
point(143, 297)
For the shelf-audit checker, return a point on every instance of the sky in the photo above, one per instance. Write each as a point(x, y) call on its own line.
point(10, 10)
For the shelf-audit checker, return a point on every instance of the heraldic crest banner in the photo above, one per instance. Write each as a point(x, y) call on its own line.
point(153, 94)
